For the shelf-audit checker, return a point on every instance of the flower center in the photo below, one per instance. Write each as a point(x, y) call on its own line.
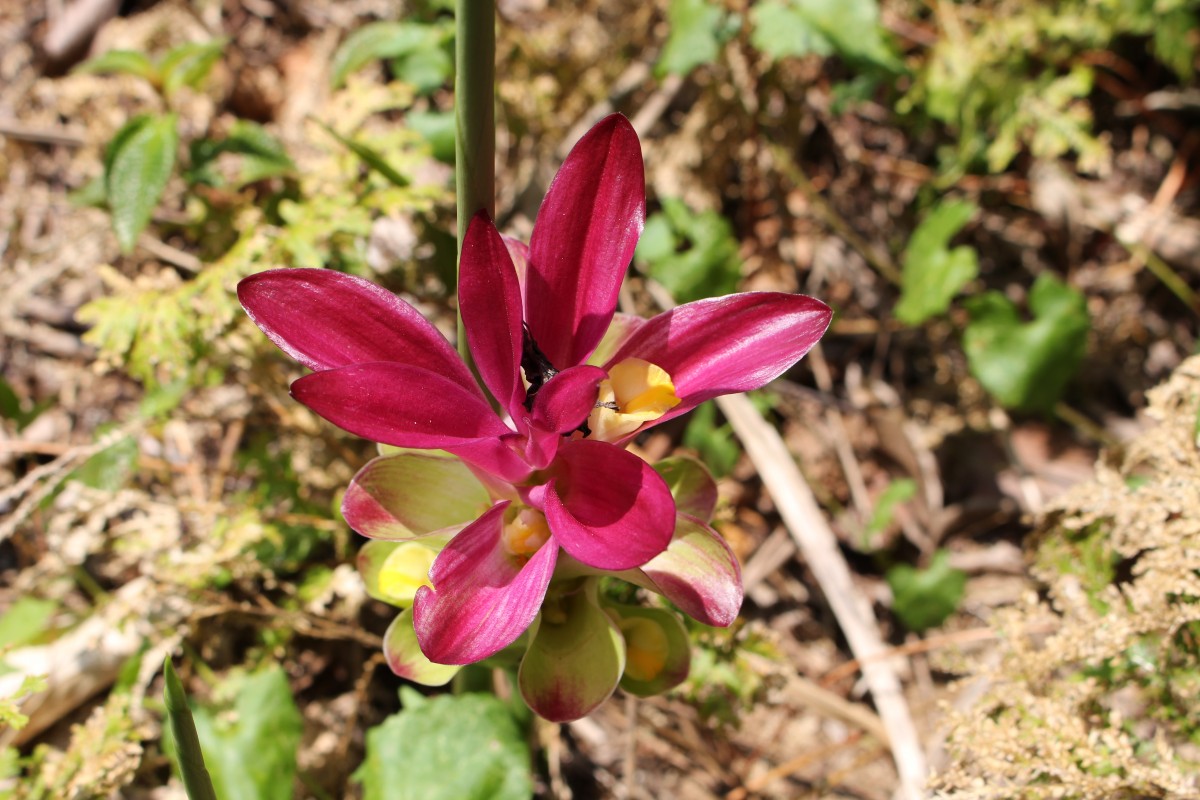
point(646, 648)
point(526, 534)
point(635, 392)
point(405, 570)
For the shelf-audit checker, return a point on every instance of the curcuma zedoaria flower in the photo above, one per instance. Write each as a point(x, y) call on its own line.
point(540, 496)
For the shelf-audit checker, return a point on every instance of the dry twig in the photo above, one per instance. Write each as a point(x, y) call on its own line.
point(817, 543)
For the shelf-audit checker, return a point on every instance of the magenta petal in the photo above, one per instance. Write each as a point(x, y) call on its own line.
point(518, 251)
point(482, 598)
point(399, 405)
point(560, 407)
point(728, 344)
point(326, 319)
point(583, 240)
point(608, 508)
point(564, 402)
point(490, 302)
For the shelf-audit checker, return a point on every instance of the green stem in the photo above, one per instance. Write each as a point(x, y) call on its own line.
point(475, 117)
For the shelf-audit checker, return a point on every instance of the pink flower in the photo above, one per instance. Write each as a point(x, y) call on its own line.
point(552, 477)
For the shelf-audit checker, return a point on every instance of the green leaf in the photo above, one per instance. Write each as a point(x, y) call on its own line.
point(923, 599)
point(437, 128)
point(850, 28)
point(262, 154)
point(718, 448)
point(694, 255)
point(897, 492)
point(138, 163)
point(696, 26)
point(781, 30)
point(251, 753)
point(372, 159)
point(1174, 43)
point(25, 621)
point(109, 469)
point(91, 195)
point(427, 67)
point(10, 404)
point(452, 747)
point(1026, 365)
point(158, 401)
point(120, 62)
point(189, 756)
point(375, 41)
point(189, 64)
point(933, 274)
point(10, 711)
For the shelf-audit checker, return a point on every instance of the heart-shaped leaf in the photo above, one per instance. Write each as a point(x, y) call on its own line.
point(1026, 365)
point(464, 747)
point(924, 598)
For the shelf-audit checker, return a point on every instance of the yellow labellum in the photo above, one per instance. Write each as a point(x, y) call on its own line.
point(646, 648)
point(526, 534)
point(405, 570)
point(640, 392)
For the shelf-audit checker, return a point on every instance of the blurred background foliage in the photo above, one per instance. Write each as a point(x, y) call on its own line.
point(998, 198)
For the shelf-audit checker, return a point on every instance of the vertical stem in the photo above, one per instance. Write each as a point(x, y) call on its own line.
point(475, 117)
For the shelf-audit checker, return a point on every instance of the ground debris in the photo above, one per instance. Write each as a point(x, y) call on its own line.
point(1093, 691)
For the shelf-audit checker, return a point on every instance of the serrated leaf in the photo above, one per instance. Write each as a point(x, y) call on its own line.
point(375, 41)
point(371, 158)
point(924, 599)
point(123, 62)
point(694, 39)
point(932, 273)
point(137, 166)
point(251, 753)
point(1026, 365)
point(189, 64)
point(451, 747)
